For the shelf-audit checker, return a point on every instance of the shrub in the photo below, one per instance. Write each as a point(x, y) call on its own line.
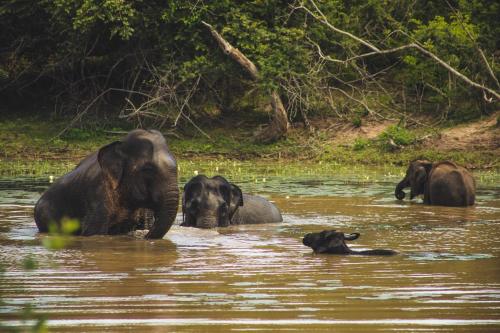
point(360, 144)
point(399, 135)
point(77, 134)
point(356, 121)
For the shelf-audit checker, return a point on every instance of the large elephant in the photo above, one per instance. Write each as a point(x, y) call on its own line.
point(333, 242)
point(214, 202)
point(108, 189)
point(442, 183)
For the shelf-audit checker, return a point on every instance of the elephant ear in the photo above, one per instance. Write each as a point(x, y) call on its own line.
point(427, 166)
point(236, 199)
point(421, 174)
point(191, 191)
point(111, 160)
point(184, 221)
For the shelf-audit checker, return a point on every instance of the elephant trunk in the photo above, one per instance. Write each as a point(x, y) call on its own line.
point(399, 193)
point(206, 222)
point(165, 212)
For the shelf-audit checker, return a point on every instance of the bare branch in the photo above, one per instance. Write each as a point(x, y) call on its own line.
point(186, 100)
point(322, 18)
point(322, 55)
point(87, 108)
point(363, 103)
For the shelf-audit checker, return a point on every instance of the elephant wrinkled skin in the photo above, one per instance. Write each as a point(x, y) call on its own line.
point(333, 242)
point(108, 189)
point(214, 202)
point(442, 183)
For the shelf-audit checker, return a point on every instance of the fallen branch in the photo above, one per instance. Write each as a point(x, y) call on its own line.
point(279, 124)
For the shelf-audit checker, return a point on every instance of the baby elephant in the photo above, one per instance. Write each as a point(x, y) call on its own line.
point(333, 242)
point(214, 202)
point(442, 183)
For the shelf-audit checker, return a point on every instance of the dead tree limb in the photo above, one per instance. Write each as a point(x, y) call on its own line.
point(279, 124)
point(234, 53)
point(436, 59)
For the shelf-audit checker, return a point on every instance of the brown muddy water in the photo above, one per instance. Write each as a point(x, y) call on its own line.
point(446, 277)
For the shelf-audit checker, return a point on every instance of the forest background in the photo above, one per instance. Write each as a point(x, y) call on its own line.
point(369, 81)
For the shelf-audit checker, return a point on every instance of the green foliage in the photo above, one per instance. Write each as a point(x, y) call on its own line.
point(69, 52)
point(356, 121)
point(30, 314)
point(59, 234)
point(29, 263)
point(360, 144)
point(78, 134)
point(399, 135)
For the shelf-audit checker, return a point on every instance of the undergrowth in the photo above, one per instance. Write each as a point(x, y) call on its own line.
point(28, 147)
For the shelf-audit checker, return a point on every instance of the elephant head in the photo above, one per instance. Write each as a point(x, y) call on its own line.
point(140, 172)
point(333, 242)
point(329, 241)
point(415, 178)
point(210, 202)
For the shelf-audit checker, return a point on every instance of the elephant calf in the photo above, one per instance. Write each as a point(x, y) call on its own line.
point(442, 183)
point(333, 242)
point(108, 190)
point(214, 202)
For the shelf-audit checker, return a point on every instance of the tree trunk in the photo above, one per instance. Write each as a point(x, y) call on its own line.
point(279, 124)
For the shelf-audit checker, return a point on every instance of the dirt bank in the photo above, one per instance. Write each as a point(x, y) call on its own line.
point(479, 135)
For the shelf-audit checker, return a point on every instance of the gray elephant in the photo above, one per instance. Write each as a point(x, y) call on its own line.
point(442, 183)
point(108, 189)
point(215, 202)
point(333, 242)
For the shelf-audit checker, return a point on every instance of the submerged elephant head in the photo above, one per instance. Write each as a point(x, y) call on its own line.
point(415, 178)
point(210, 202)
point(333, 242)
point(329, 241)
point(141, 172)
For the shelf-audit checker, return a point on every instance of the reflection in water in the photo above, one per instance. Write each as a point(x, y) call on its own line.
point(260, 277)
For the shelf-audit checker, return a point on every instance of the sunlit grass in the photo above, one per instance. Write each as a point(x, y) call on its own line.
point(28, 148)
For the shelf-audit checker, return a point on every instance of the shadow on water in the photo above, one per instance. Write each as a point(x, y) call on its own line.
point(260, 277)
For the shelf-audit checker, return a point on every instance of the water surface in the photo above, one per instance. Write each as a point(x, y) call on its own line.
point(260, 277)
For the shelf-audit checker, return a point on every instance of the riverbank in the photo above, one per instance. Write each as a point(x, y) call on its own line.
point(30, 145)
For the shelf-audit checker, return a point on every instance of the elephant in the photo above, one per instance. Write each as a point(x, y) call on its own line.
point(443, 183)
point(110, 189)
point(333, 242)
point(215, 202)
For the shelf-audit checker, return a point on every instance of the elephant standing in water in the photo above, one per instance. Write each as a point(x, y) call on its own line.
point(109, 188)
point(214, 202)
point(333, 242)
point(442, 183)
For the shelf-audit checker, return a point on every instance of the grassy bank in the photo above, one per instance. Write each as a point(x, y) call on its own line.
point(30, 146)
